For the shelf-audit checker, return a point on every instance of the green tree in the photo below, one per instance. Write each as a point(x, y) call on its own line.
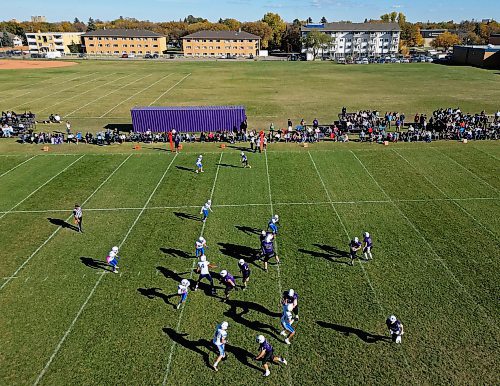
point(260, 29)
point(278, 26)
point(411, 36)
point(323, 20)
point(401, 19)
point(6, 40)
point(75, 48)
point(445, 40)
point(309, 20)
point(291, 41)
point(393, 16)
point(316, 41)
point(385, 18)
point(91, 25)
point(232, 24)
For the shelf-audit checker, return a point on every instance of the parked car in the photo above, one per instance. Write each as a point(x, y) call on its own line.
point(429, 59)
point(405, 60)
point(124, 56)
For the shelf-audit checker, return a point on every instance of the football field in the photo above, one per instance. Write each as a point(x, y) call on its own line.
point(433, 211)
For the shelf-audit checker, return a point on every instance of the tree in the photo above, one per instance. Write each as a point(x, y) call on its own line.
point(323, 20)
point(411, 36)
point(445, 40)
point(401, 19)
point(232, 24)
point(75, 48)
point(309, 20)
point(385, 18)
point(278, 26)
point(291, 41)
point(91, 25)
point(6, 40)
point(393, 16)
point(206, 26)
point(472, 38)
point(260, 29)
point(190, 19)
point(316, 41)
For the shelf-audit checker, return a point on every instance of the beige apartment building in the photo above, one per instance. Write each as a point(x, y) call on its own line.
point(123, 41)
point(43, 42)
point(221, 44)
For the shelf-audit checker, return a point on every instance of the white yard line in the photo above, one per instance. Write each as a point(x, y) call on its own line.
point(59, 228)
point(280, 287)
point(106, 95)
point(172, 348)
point(468, 170)
point(55, 92)
point(91, 294)
point(157, 99)
point(83, 93)
point(133, 95)
point(444, 194)
point(15, 167)
point(487, 153)
point(41, 186)
point(427, 243)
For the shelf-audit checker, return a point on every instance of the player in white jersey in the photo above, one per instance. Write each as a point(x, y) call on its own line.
point(182, 291)
point(205, 209)
point(199, 164)
point(220, 339)
point(113, 258)
point(203, 270)
point(200, 246)
point(286, 322)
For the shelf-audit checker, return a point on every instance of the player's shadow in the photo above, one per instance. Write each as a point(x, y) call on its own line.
point(183, 168)
point(228, 166)
point(242, 356)
point(176, 253)
point(240, 148)
point(334, 252)
point(238, 251)
point(152, 293)
point(248, 230)
point(195, 346)
point(255, 325)
point(328, 253)
point(246, 306)
point(187, 216)
point(169, 274)
point(95, 264)
point(61, 223)
point(363, 335)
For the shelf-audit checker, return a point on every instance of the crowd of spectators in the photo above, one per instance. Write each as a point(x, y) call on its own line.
point(12, 122)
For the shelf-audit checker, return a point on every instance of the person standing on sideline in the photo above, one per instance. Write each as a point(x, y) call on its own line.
point(78, 216)
point(395, 328)
point(266, 355)
point(220, 338)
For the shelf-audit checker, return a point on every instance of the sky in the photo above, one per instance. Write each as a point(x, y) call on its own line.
point(250, 10)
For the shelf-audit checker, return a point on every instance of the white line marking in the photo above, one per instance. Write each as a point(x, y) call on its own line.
point(27, 279)
point(15, 167)
point(444, 194)
point(26, 103)
point(133, 95)
point(59, 228)
point(106, 95)
point(41, 186)
point(45, 279)
point(157, 99)
point(443, 263)
point(70, 328)
point(172, 348)
point(487, 153)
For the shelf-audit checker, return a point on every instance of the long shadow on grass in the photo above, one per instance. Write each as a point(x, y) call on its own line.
point(255, 325)
point(240, 148)
point(176, 253)
point(187, 216)
point(229, 166)
point(248, 230)
point(95, 264)
point(61, 223)
point(195, 346)
point(328, 253)
point(185, 169)
point(363, 335)
point(152, 293)
point(176, 277)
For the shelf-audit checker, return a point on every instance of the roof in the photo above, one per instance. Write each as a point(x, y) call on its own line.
point(187, 108)
point(221, 35)
point(432, 33)
point(123, 33)
point(354, 27)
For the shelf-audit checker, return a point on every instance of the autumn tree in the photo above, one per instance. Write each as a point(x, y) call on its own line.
point(232, 24)
point(278, 26)
point(291, 41)
point(206, 26)
point(445, 40)
point(411, 36)
point(316, 41)
point(260, 29)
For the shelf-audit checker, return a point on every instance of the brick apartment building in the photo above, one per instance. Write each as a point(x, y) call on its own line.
point(123, 41)
point(221, 44)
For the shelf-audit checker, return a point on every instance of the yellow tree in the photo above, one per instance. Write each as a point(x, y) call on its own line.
point(278, 27)
point(445, 40)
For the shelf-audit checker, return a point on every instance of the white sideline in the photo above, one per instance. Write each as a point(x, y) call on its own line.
point(56, 92)
point(280, 287)
point(58, 228)
point(70, 328)
point(438, 258)
point(444, 194)
point(487, 153)
point(136, 93)
point(161, 96)
point(172, 348)
point(107, 94)
point(15, 167)
point(82, 93)
point(40, 187)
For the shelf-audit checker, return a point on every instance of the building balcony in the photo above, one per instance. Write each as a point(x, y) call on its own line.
point(58, 41)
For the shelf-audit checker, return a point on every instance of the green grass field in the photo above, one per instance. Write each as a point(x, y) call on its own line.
point(432, 209)
point(433, 212)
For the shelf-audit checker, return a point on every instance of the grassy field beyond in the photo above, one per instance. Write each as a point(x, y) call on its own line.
point(432, 211)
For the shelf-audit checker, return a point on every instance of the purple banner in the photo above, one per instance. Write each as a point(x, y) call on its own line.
point(187, 118)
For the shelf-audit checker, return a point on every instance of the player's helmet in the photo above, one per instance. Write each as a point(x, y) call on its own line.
point(223, 273)
point(224, 325)
point(260, 338)
point(269, 238)
point(291, 292)
point(201, 239)
point(392, 319)
point(242, 153)
point(356, 239)
point(115, 249)
point(276, 217)
point(185, 282)
point(200, 156)
point(241, 262)
point(263, 233)
point(209, 201)
point(112, 254)
point(367, 234)
point(203, 258)
point(289, 307)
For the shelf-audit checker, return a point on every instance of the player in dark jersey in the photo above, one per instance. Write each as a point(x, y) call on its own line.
point(266, 355)
point(395, 328)
point(245, 272)
point(244, 160)
point(268, 250)
point(354, 247)
point(367, 247)
point(228, 280)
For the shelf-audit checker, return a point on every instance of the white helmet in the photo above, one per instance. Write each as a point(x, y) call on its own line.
point(367, 234)
point(200, 156)
point(269, 238)
point(392, 319)
point(224, 325)
point(115, 249)
point(242, 153)
point(289, 307)
point(185, 282)
point(260, 338)
point(276, 217)
point(112, 254)
point(223, 273)
point(356, 239)
point(203, 258)
point(209, 201)
point(263, 233)
point(291, 292)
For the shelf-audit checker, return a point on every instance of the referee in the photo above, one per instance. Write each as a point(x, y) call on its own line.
point(77, 214)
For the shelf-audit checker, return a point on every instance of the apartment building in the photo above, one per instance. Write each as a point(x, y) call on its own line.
point(356, 39)
point(123, 41)
point(43, 42)
point(430, 34)
point(221, 44)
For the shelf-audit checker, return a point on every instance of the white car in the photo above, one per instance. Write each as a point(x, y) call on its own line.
point(429, 60)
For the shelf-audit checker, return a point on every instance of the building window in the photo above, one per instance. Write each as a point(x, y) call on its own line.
point(155, 45)
point(132, 45)
point(125, 45)
point(115, 45)
point(90, 38)
point(188, 40)
point(91, 45)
